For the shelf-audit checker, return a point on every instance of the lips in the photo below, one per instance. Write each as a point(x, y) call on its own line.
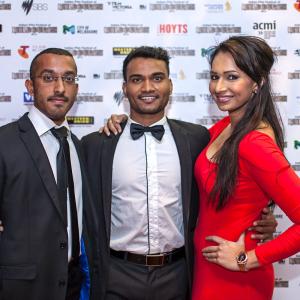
point(58, 100)
point(223, 99)
point(148, 98)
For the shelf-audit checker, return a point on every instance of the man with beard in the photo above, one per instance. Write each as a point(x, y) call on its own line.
point(46, 207)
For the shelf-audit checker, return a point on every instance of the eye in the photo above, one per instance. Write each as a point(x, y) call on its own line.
point(232, 77)
point(158, 78)
point(47, 77)
point(214, 77)
point(69, 78)
point(136, 80)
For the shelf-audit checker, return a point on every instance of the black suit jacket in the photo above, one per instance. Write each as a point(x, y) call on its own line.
point(99, 151)
point(33, 246)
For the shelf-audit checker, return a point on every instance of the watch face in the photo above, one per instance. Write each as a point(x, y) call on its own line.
point(242, 257)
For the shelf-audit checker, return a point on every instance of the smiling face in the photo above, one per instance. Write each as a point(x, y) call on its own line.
point(230, 87)
point(147, 88)
point(53, 99)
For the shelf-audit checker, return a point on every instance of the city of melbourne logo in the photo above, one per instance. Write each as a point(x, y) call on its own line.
point(296, 144)
point(80, 29)
point(70, 29)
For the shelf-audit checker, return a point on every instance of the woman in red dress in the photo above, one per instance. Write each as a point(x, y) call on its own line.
point(241, 169)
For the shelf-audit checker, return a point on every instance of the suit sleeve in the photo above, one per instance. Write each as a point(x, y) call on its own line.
point(271, 171)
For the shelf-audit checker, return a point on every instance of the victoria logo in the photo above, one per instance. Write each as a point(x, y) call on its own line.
point(26, 5)
point(22, 51)
point(0, 27)
point(27, 98)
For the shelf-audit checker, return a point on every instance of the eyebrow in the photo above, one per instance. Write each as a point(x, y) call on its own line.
point(153, 74)
point(52, 71)
point(229, 71)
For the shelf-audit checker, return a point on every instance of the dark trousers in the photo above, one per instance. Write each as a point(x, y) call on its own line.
point(74, 281)
point(131, 281)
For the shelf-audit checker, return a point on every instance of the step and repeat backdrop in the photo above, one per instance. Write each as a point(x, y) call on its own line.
point(101, 33)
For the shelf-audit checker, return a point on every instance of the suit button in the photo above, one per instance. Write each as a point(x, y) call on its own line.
point(61, 283)
point(63, 245)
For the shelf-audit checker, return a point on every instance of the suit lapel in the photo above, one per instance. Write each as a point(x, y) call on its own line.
point(40, 159)
point(184, 153)
point(106, 166)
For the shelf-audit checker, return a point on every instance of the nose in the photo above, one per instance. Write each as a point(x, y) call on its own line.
point(220, 86)
point(59, 86)
point(147, 85)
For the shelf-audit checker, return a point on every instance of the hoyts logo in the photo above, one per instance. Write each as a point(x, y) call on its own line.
point(173, 28)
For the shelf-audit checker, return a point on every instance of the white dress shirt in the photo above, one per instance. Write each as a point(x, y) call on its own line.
point(42, 125)
point(146, 209)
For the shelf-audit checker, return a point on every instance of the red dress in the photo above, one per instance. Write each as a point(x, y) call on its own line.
point(264, 174)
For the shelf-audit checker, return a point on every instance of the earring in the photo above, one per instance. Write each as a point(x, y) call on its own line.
point(254, 92)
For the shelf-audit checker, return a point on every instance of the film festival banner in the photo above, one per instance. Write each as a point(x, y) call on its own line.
point(101, 33)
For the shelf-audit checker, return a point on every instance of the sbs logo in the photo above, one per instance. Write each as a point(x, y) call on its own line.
point(40, 6)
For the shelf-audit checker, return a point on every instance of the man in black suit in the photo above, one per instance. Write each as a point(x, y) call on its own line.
point(143, 185)
point(44, 221)
point(142, 182)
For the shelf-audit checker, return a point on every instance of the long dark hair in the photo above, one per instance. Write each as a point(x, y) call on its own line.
point(254, 57)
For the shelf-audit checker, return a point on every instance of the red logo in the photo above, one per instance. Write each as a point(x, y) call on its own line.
point(173, 28)
point(22, 51)
point(297, 5)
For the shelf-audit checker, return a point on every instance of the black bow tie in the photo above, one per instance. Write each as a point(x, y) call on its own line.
point(137, 131)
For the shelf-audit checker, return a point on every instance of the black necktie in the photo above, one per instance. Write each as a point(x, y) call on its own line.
point(64, 183)
point(137, 131)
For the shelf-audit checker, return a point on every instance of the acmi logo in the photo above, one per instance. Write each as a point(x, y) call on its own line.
point(173, 28)
point(22, 51)
point(265, 26)
point(27, 98)
point(296, 144)
point(70, 29)
point(26, 5)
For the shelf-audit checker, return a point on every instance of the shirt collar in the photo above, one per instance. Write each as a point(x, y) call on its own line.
point(162, 121)
point(42, 123)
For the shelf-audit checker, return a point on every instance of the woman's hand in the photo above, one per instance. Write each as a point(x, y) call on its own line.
point(225, 253)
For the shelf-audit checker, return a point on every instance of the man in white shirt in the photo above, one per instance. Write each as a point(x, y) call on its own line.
point(143, 185)
point(42, 206)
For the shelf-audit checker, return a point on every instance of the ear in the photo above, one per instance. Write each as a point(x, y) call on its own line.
point(171, 87)
point(255, 88)
point(124, 88)
point(29, 87)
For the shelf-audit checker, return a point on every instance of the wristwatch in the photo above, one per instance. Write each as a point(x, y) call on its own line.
point(241, 260)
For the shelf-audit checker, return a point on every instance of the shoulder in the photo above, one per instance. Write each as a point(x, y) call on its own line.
point(190, 128)
point(259, 149)
point(219, 126)
point(10, 130)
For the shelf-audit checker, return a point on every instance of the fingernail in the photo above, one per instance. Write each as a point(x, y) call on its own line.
point(254, 223)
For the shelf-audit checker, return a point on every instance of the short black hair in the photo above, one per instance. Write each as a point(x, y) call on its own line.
point(57, 51)
point(146, 52)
